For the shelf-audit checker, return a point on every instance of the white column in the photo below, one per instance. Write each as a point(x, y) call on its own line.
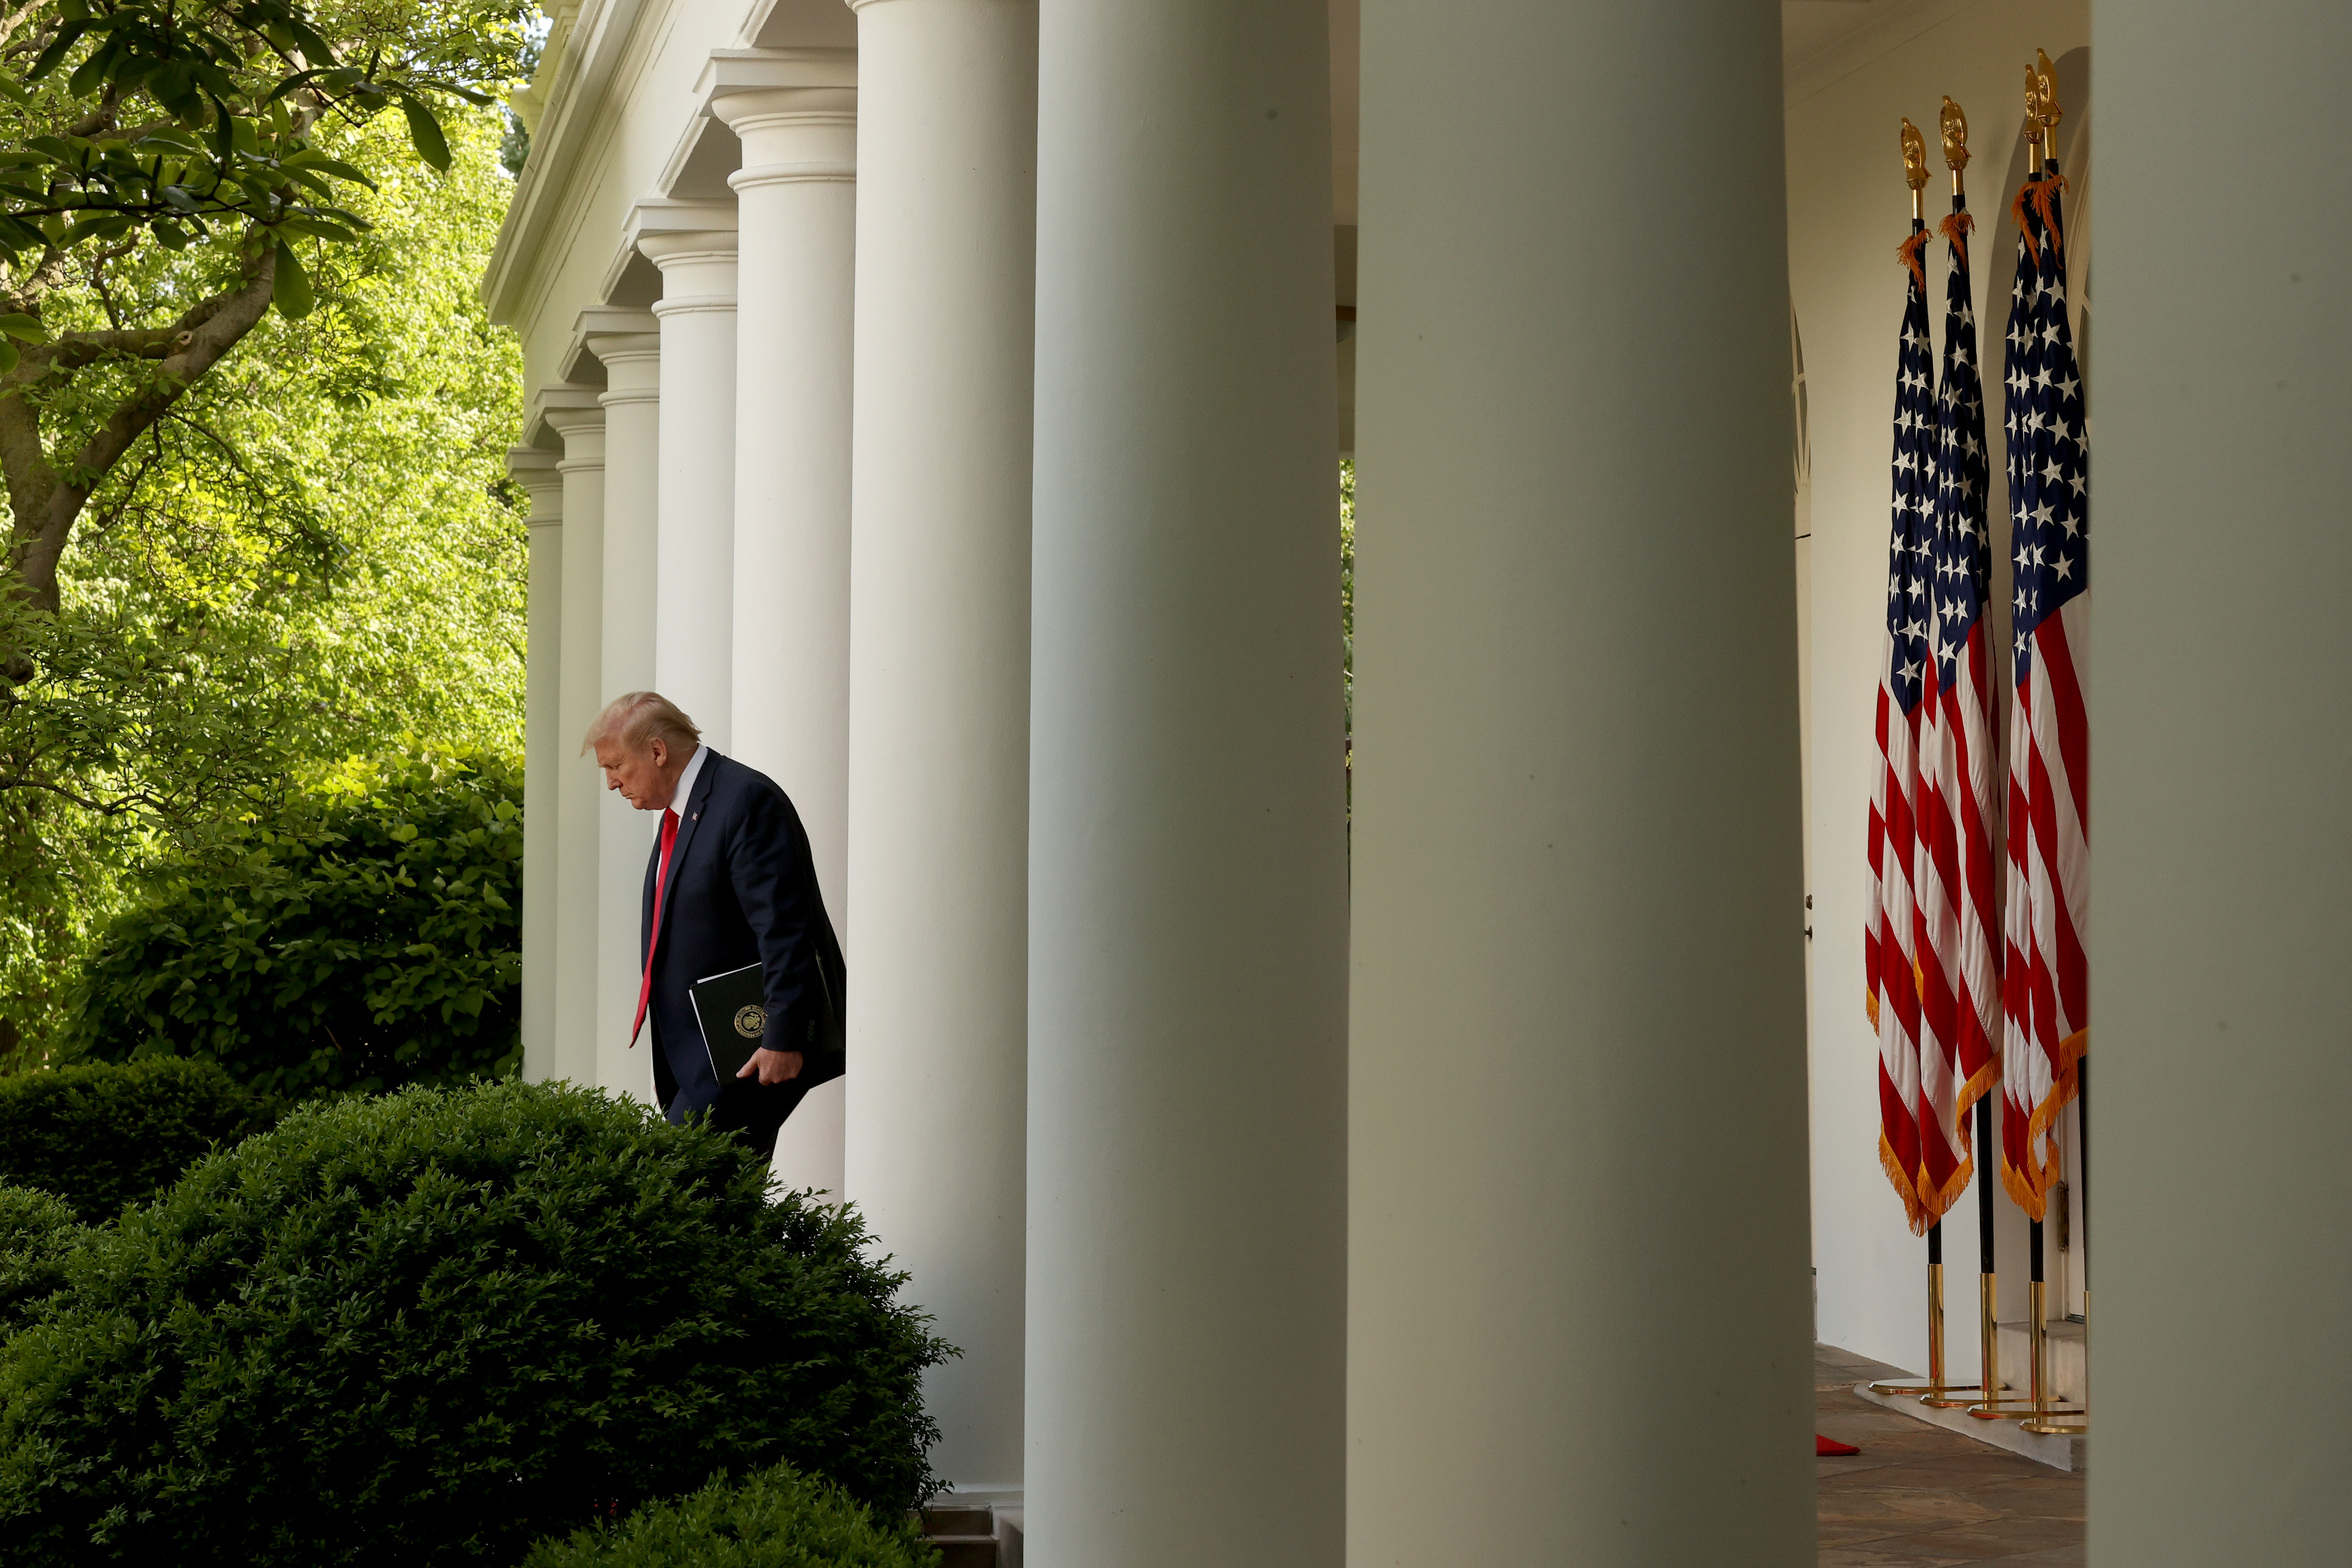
point(534, 470)
point(796, 214)
point(693, 636)
point(2219, 730)
point(1578, 1305)
point(1188, 937)
point(796, 219)
point(579, 784)
point(632, 404)
point(939, 779)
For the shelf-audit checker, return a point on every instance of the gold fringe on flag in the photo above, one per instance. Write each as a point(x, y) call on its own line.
point(1955, 229)
point(1907, 1183)
point(2030, 1189)
point(1910, 251)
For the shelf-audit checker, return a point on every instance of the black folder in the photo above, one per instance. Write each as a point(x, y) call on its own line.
point(732, 1010)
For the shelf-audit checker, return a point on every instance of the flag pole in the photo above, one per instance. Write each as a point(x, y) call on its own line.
point(1952, 122)
point(1915, 174)
point(1988, 1294)
point(1934, 1388)
point(1988, 1383)
point(2038, 1405)
point(2041, 1421)
point(2042, 116)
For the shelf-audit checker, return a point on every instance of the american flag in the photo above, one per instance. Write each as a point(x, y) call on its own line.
point(2045, 993)
point(1890, 934)
point(1959, 963)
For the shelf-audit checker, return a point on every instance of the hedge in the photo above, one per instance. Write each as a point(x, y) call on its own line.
point(367, 938)
point(434, 1327)
point(37, 1231)
point(103, 1135)
point(776, 1517)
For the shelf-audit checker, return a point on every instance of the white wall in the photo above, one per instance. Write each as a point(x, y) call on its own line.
point(1848, 210)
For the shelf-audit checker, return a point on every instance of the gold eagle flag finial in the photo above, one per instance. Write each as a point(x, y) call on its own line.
point(1914, 167)
point(2032, 123)
point(1954, 122)
point(2045, 101)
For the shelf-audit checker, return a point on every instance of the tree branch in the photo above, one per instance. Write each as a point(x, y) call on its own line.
point(100, 807)
point(197, 343)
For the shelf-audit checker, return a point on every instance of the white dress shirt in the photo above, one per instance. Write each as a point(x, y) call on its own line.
point(686, 781)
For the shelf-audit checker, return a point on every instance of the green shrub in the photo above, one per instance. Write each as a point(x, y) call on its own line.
point(368, 939)
point(434, 1327)
point(775, 1518)
point(37, 1231)
point(103, 1135)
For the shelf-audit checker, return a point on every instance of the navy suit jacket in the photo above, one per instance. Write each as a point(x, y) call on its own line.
point(742, 890)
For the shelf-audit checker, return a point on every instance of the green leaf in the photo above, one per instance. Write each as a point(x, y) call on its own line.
point(314, 228)
point(93, 71)
point(7, 356)
point(316, 49)
point(334, 167)
point(101, 226)
point(290, 289)
point(26, 329)
point(425, 132)
point(291, 84)
point(67, 36)
point(224, 131)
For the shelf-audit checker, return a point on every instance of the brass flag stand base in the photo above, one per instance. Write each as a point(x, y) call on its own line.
point(2037, 1409)
point(1933, 1390)
point(2049, 1428)
point(1988, 1353)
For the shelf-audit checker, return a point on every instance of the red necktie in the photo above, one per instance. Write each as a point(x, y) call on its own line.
point(661, 884)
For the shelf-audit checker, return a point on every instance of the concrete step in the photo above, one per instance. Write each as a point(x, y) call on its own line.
point(965, 1537)
point(2058, 1451)
point(2070, 1363)
point(949, 1520)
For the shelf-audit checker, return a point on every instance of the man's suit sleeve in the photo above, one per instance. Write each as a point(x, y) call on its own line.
point(769, 866)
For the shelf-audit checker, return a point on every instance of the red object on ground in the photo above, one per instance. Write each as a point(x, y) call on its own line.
point(1824, 1448)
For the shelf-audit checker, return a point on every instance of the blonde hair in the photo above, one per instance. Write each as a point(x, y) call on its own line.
point(636, 718)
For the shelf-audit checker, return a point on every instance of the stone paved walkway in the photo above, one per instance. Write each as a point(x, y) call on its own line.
point(1920, 1497)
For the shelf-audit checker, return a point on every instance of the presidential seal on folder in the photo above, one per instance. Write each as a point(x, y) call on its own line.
point(732, 1010)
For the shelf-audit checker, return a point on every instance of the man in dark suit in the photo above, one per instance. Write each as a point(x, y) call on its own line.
point(730, 884)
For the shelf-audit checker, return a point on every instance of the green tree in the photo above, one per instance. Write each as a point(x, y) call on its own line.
point(163, 172)
point(314, 551)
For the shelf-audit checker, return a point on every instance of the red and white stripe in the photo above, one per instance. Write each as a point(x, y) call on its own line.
point(1890, 940)
point(1960, 972)
point(2047, 998)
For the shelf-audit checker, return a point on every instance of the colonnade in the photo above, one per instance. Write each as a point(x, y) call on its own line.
point(1438, 1202)
point(974, 477)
